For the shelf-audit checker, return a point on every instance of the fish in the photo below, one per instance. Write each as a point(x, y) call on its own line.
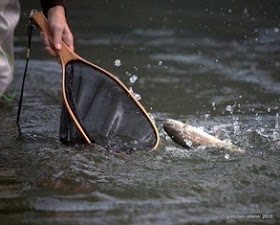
point(188, 136)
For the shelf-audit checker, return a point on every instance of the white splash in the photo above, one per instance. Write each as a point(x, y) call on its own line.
point(118, 62)
point(133, 79)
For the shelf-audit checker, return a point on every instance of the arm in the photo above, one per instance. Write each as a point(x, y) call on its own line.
point(55, 12)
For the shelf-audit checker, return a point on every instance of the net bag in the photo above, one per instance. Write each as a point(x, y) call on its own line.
point(106, 113)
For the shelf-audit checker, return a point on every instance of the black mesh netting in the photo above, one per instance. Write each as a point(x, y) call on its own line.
point(107, 114)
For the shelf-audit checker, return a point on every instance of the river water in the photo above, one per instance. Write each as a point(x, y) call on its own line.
point(213, 64)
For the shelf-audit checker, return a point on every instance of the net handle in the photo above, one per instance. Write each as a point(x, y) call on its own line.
point(65, 54)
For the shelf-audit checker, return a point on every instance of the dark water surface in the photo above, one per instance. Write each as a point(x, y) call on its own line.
point(213, 63)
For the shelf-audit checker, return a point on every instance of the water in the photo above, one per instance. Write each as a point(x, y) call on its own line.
point(215, 65)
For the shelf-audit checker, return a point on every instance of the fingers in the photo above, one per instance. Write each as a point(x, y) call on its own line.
point(47, 44)
point(57, 31)
point(68, 37)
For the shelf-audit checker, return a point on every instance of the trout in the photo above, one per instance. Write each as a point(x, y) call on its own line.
point(187, 136)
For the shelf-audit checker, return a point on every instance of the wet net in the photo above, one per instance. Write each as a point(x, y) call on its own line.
point(107, 114)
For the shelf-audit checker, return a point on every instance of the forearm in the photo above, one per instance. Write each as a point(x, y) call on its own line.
point(47, 4)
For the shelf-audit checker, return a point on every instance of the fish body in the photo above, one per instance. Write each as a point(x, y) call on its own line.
point(187, 136)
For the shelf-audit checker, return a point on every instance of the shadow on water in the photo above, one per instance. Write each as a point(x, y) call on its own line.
point(215, 65)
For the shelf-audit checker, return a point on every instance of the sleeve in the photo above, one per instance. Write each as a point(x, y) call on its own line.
point(47, 4)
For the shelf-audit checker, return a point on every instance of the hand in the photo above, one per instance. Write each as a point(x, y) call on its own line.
point(60, 30)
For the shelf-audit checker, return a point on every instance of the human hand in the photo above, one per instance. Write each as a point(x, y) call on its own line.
point(59, 28)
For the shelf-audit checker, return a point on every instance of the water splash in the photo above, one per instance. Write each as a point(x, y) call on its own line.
point(118, 62)
point(214, 106)
point(231, 109)
point(227, 156)
point(133, 79)
point(136, 95)
point(277, 121)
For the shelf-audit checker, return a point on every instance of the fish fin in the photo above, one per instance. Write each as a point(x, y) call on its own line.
point(228, 145)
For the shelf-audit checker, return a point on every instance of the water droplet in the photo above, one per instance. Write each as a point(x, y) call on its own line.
point(277, 121)
point(226, 156)
point(207, 115)
point(276, 29)
point(118, 62)
point(229, 108)
point(188, 143)
point(214, 105)
point(136, 95)
point(133, 78)
point(236, 127)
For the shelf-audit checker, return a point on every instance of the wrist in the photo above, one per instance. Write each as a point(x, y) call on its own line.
point(48, 4)
point(56, 10)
